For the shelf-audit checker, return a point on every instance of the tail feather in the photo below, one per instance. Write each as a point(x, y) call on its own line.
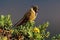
point(21, 22)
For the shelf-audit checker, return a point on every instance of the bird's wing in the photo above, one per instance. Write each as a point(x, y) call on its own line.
point(20, 21)
point(23, 20)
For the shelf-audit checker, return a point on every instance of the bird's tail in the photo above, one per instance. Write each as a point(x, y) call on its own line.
point(21, 22)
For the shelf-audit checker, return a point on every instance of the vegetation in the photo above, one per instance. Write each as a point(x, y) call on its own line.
point(23, 32)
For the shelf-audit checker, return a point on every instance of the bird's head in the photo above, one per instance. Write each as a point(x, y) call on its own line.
point(35, 8)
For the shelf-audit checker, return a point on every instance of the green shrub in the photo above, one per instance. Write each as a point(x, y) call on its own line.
point(5, 21)
point(26, 32)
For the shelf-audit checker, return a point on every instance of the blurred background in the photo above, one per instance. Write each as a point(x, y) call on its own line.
point(49, 10)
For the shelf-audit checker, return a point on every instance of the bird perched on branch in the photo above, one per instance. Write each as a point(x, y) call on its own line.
point(29, 16)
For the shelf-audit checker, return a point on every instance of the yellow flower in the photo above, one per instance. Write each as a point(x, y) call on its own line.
point(11, 31)
point(36, 30)
point(4, 38)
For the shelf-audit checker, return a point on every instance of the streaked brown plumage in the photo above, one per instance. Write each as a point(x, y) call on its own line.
point(29, 16)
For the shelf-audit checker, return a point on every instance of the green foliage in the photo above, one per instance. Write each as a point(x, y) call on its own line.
point(56, 37)
point(37, 33)
point(27, 32)
point(43, 29)
point(5, 21)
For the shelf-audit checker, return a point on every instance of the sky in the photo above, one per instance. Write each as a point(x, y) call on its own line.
point(49, 10)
